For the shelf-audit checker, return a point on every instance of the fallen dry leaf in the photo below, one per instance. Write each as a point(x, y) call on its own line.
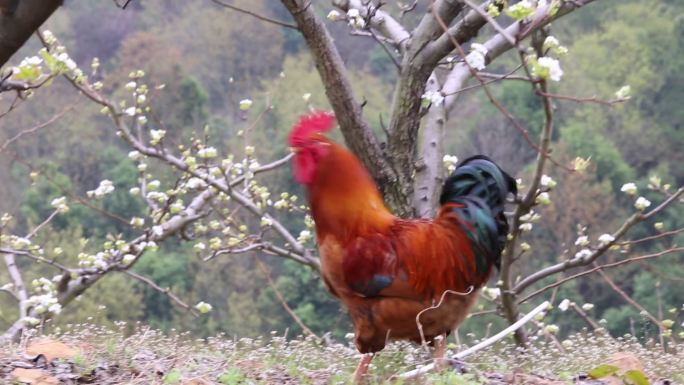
point(624, 362)
point(34, 377)
point(51, 349)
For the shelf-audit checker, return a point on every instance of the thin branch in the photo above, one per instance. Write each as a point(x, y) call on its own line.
point(166, 291)
point(482, 345)
point(605, 266)
point(33, 129)
point(653, 237)
point(578, 261)
point(36, 258)
point(592, 99)
point(629, 299)
point(279, 295)
point(254, 14)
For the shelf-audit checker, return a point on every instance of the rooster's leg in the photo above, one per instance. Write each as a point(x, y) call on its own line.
point(362, 368)
point(440, 351)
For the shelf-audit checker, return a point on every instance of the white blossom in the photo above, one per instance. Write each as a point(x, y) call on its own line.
point(207, 152)
point(605, 239)
point(564, 305)
point(432, 97)
point(199, 246)
point(583, 254)
point(582, 240)
point(128, 258)
point(629, 189)
point(477, 56)
point(548, 68)
point(137, 222)
point(60, 205)
point(547, 181)
point(130, 86)
point(551, 329)
point(355, 19)
point(306, 97)
point(130, 111)
point(195, 183)
point(525, 247)
point(203, 307)
point(245, 104)
point(623, 92)
point(521, 10)
point(550, 42)
point(304, 236)
point(156, 136)
point(543, 198)
point(134, 155)
point(525, 227)
point(642, 203)
point(587, 306)
point(334, 15)
point(105, 187)
point(49, 38)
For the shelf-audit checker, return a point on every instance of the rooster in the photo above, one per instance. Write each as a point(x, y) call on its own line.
point(400, 279)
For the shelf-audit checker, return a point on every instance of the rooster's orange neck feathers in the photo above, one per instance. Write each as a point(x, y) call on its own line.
point(345, 201)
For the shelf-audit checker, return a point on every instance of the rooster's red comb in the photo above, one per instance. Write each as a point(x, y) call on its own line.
point(308, 125)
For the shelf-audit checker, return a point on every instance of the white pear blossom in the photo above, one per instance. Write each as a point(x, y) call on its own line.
point(207, 152)
point(432, 97)
point(564, 305)
point(491, 293)
point(521, 10)
point(550, 42)
point(623, 92)
point(525, 247)
point(195, 183)
point(582, 240)
point(450, 162)
point(60, 204)
point(605, 239)
point(130, 86)
point(543, 198)
point(203, 307)
point(130, 111)
point(142, 119)
point(629, 189)
point(658, 226)
point(582, 254)
point(137, 222)
point(525, 227)
point(245, 104)
point(105, 187)
point(355, 19)
point(551, 329)
point(128, 258)
point(199, 246)
point(547, 68)
point(587, 306)
point(134, 191)
point(547, 181)
point(49, 38)
point(156, 136)
point(642, 203)
point(134, 155)
point(477, 56)
point(306, 97)
point(304, 236)
point(334, 15)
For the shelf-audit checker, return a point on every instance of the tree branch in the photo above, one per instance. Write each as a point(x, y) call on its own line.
point(254, 14)
point(357, 133)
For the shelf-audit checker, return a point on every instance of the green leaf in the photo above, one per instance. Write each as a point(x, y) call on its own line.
point(173, 377)
point(635, 377)
point(603, 370)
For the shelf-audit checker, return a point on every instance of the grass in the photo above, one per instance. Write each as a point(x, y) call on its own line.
point(148, 356)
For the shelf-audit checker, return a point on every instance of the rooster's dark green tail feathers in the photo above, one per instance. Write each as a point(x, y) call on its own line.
point(480, 188)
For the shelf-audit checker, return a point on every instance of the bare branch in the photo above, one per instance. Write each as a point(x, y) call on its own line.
point(357, 133)
point(605, 266)
point(288, 309)
point(33, 129)
point(379, 20)
point(254, 14)
point(166, 291)
point(629, 299)
point(586, 260)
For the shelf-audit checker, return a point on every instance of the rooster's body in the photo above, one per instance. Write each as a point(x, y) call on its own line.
point(387, 270)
